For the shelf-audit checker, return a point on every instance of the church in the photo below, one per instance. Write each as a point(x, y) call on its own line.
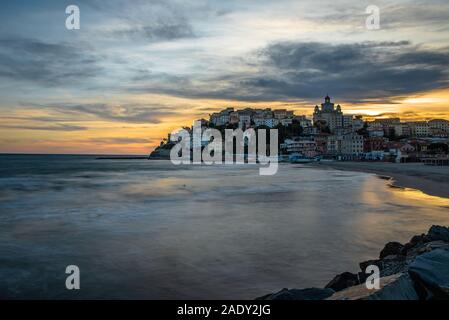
point(331, 115)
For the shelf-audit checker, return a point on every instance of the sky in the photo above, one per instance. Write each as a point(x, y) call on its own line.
point(137, 70)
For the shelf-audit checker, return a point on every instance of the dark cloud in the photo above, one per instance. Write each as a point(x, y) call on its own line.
point(156, 31)
point(124, 113)
point(352, 71)
point(140, 114)
point(355, 72)
point(49, 64)
point(120, 140)
point(57, 127)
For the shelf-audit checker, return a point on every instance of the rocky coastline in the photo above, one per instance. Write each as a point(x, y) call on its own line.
point(417, 270)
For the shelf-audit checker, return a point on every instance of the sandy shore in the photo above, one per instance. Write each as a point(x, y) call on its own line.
point(432, 180)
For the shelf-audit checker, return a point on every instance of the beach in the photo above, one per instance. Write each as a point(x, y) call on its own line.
point(432, 180)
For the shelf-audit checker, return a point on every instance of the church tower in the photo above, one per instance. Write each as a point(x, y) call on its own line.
point(332, 116)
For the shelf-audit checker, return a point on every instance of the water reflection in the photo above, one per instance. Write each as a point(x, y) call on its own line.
point(420, 198)
point(155, 231)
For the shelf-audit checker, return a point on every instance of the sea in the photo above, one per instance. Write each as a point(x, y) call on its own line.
point(147, 229)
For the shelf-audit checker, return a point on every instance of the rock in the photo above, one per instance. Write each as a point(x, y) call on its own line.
point(362, 276)
point(431, 273)
point(424, 248)
point(363, 265)
point(387, 266)
point(391, 248)
point(343, 281)
point(438, 233)
point(392, 264)
point(417, 239)
point(417, 270)
point(299, 294)
point(395, 287)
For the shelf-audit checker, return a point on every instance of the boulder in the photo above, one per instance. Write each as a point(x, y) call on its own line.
point(424, 248)
point(395, 287)
point(391, 248)
point(438, 233)
point(392, 264)
point(387, 266)
point(363, 265)
point(430, 271)
point(417, 239)
point(299, 294)
point(343, 281)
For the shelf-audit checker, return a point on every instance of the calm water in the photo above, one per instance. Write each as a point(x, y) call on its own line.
point(147, 229)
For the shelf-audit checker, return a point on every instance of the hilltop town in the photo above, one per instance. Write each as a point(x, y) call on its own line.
point(332, 134)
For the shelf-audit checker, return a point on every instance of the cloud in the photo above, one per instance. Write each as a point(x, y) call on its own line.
point(374, 71)
point(120, 140)
point(429, 15)
point(57, 127)
point(151, 21)
point(44, 63)
point(353, 71)
point(126, 113)
point(156, 31)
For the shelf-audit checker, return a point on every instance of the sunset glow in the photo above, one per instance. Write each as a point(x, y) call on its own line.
point(133, 73)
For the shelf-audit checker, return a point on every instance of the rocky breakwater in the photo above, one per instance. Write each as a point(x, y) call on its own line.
point(417, 270)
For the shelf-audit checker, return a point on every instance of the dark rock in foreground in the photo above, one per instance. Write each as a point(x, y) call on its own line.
point(391, 248)
point(343, 281)
point(395, 287)
point(388, 265)
point(430, 271)
point(417, 270)
point(438, 233)
point(299, 294)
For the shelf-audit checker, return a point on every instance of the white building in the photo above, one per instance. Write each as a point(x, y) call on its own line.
point(440, 124)
point(376, 129)
point(259, 121)
point(271, 122)
point(304, 147)
point(282, 114)
point(348, 144)
point(286, 121)
point(244, 119)
point(419, 128)
point(402, 130)
point(221, 118)
point(303, 121)
point(347, 121)
point(352, 144)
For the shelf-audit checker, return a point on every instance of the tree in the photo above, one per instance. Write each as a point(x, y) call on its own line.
point(322, 126)
point(295, 129)
point(364, 130)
